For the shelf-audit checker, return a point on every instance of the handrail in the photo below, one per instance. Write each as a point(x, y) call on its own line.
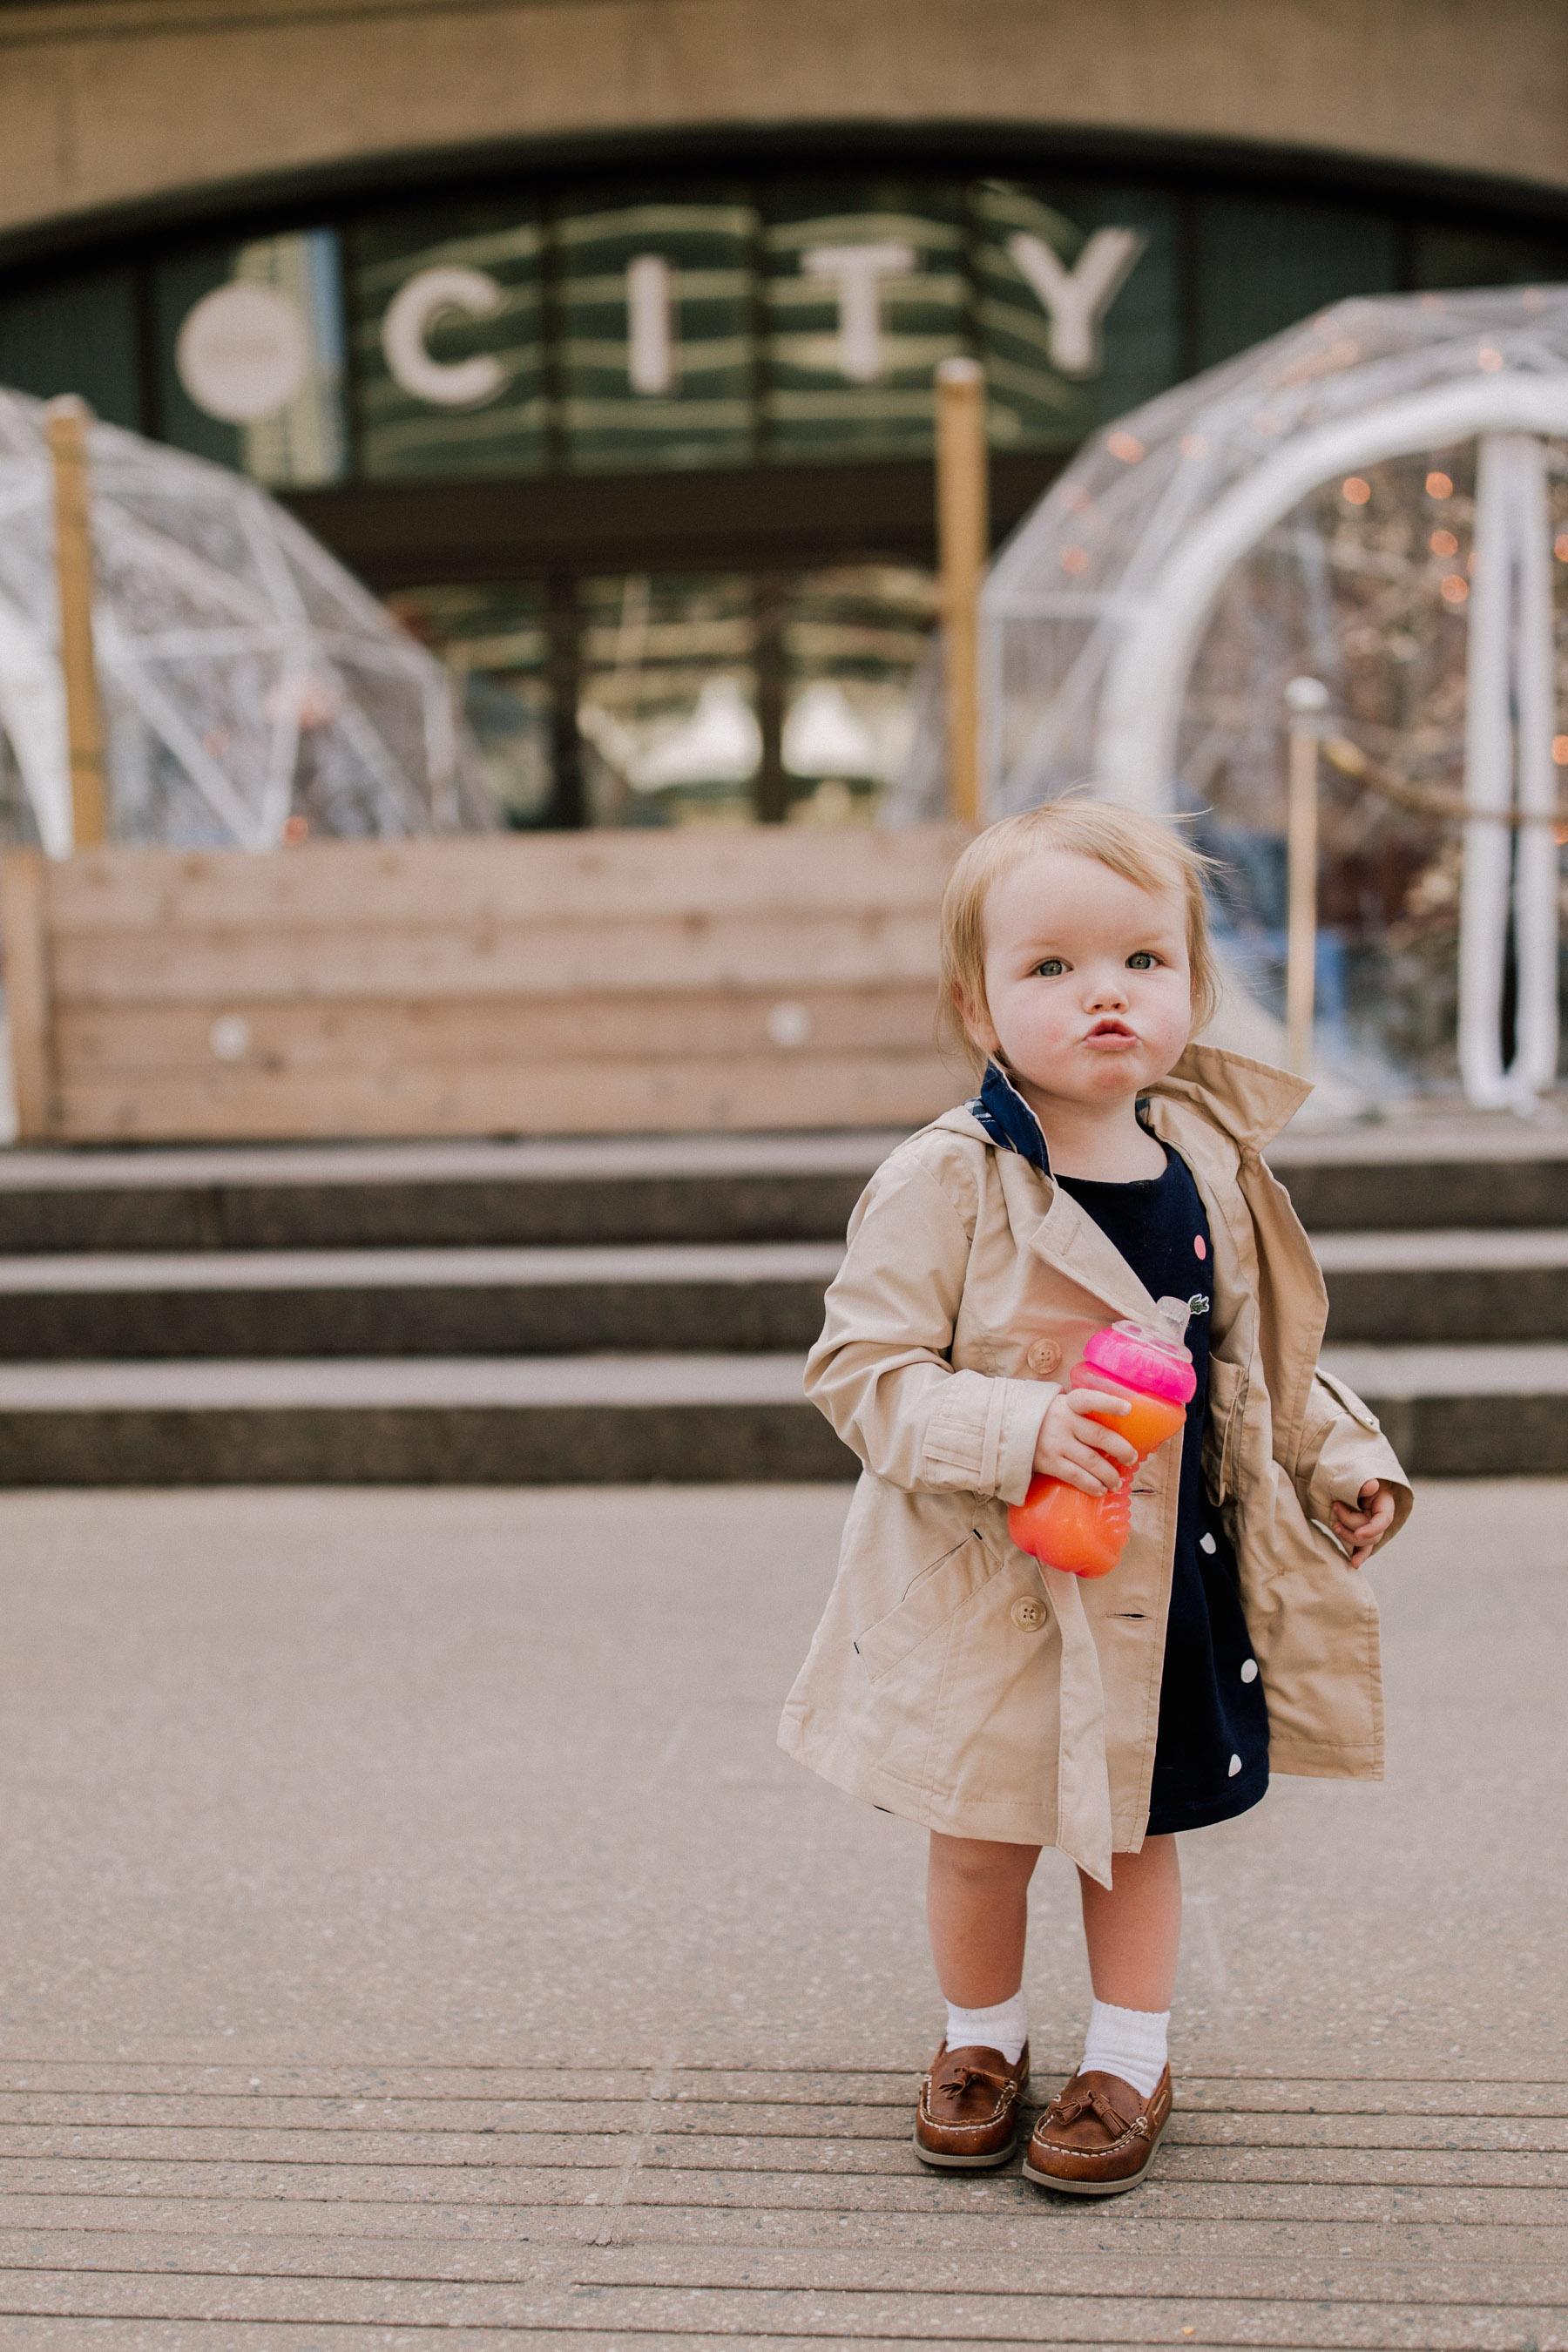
point(1426, 799)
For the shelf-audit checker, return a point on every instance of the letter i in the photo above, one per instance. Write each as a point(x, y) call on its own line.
point(651, 341)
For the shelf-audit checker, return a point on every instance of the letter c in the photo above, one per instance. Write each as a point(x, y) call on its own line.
point(413, 310)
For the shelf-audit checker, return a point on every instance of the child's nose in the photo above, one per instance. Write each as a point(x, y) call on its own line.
point(1109, 989)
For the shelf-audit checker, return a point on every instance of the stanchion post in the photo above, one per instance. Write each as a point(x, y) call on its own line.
point(1306, 698)
point(963, 536)
point(66, 423)
point(25, 928)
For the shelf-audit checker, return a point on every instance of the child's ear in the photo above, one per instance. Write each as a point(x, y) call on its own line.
point(976, 1022)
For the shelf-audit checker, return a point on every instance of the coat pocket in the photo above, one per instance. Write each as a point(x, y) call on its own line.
point(1222, 1427)
point(936, 1595)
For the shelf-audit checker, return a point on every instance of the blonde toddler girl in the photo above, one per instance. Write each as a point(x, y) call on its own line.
point(1106, 1161)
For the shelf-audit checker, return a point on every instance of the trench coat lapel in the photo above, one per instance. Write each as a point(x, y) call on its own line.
point(1070, 1241)
point(1048, 1221)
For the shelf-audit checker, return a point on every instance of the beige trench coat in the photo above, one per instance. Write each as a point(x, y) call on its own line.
point(968, 1292)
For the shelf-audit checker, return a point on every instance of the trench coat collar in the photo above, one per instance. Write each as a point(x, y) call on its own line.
point(1007, 1119)
point(1249, 1101)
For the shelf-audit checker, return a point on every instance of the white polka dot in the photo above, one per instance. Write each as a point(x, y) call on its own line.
point(1235, 1766)
point(1205, 1543)
point(1249, 1671)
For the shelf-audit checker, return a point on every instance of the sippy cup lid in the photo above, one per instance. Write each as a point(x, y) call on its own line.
point(1149, 1357)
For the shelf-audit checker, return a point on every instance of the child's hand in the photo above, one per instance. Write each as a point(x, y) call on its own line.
point(1073, 1448)
point(1361, 1531)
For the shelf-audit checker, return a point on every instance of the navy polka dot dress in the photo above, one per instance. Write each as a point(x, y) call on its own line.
point(1211, 1759)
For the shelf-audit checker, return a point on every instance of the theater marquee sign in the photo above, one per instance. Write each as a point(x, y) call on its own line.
point(628, 329)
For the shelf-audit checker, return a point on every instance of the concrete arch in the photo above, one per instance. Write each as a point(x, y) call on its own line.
point(106, 106)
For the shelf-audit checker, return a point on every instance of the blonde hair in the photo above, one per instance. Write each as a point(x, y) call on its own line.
point(1142, 849)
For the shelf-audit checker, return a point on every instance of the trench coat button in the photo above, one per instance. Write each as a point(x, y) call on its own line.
point(1028, 1615)
point(1044, 1356)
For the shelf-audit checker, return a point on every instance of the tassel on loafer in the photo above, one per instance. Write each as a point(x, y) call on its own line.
point(1097, 2136)
point(967, 2119)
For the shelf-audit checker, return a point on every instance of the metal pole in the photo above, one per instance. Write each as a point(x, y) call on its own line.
point(962, 534)
point(67, 422)
point(1306, 699)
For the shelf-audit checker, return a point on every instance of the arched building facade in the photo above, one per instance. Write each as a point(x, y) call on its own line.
point(598, 335)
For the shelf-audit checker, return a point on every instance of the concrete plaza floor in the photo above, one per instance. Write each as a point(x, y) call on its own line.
point(407, 1922)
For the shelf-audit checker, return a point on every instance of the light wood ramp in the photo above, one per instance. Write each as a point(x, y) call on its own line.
point(246, 2209)
point(562, 984)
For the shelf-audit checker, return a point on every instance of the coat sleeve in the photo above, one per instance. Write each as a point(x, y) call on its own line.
point(1342, 1446)
point(881, 1372)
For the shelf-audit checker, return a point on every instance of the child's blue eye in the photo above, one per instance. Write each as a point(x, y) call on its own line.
point(1145, 960)
point(1049, 968)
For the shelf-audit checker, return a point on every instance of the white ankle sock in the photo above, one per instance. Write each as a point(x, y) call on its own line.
point(1130, 2042)
point(1004, 2026)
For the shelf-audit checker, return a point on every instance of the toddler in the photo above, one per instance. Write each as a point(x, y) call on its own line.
point(1105, 1162)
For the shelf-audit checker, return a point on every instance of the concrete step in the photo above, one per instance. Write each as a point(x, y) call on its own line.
point(528, 1420)
point(721, 1188)
point(1446, 1286)
point(674, 1298)
point(1435, 1173)
point(1466, 1412)
point(594, 1419)
point(1426, 1174)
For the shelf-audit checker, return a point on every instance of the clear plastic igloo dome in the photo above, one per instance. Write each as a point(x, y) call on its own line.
point(248, 682)
point(1377, 498)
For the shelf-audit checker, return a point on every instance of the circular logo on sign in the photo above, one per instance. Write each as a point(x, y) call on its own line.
point(242, 352)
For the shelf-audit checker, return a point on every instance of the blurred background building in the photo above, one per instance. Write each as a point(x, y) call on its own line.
point(597, 338)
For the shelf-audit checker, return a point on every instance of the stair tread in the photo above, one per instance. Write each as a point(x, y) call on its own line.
point(1534, 1368)
point(1458, 1136)
point(371, 1382)
point(1531, 1247)
point(1523, 1249)
point(1478, 1368)
point(462, 1268)
point(520, 1161)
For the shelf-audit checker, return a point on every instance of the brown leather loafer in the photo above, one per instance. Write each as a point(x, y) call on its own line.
point(1096, 2138)
point(968, 2114)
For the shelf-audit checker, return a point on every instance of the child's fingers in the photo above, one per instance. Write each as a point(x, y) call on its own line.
point(1087, 1469)
point(1103, 1439)
point(1091, 1401)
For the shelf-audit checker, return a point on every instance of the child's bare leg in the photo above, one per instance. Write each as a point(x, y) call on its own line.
point(977, 1905)
point(1097, 2136)
point(978, 1910)
point(1134, 1931)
